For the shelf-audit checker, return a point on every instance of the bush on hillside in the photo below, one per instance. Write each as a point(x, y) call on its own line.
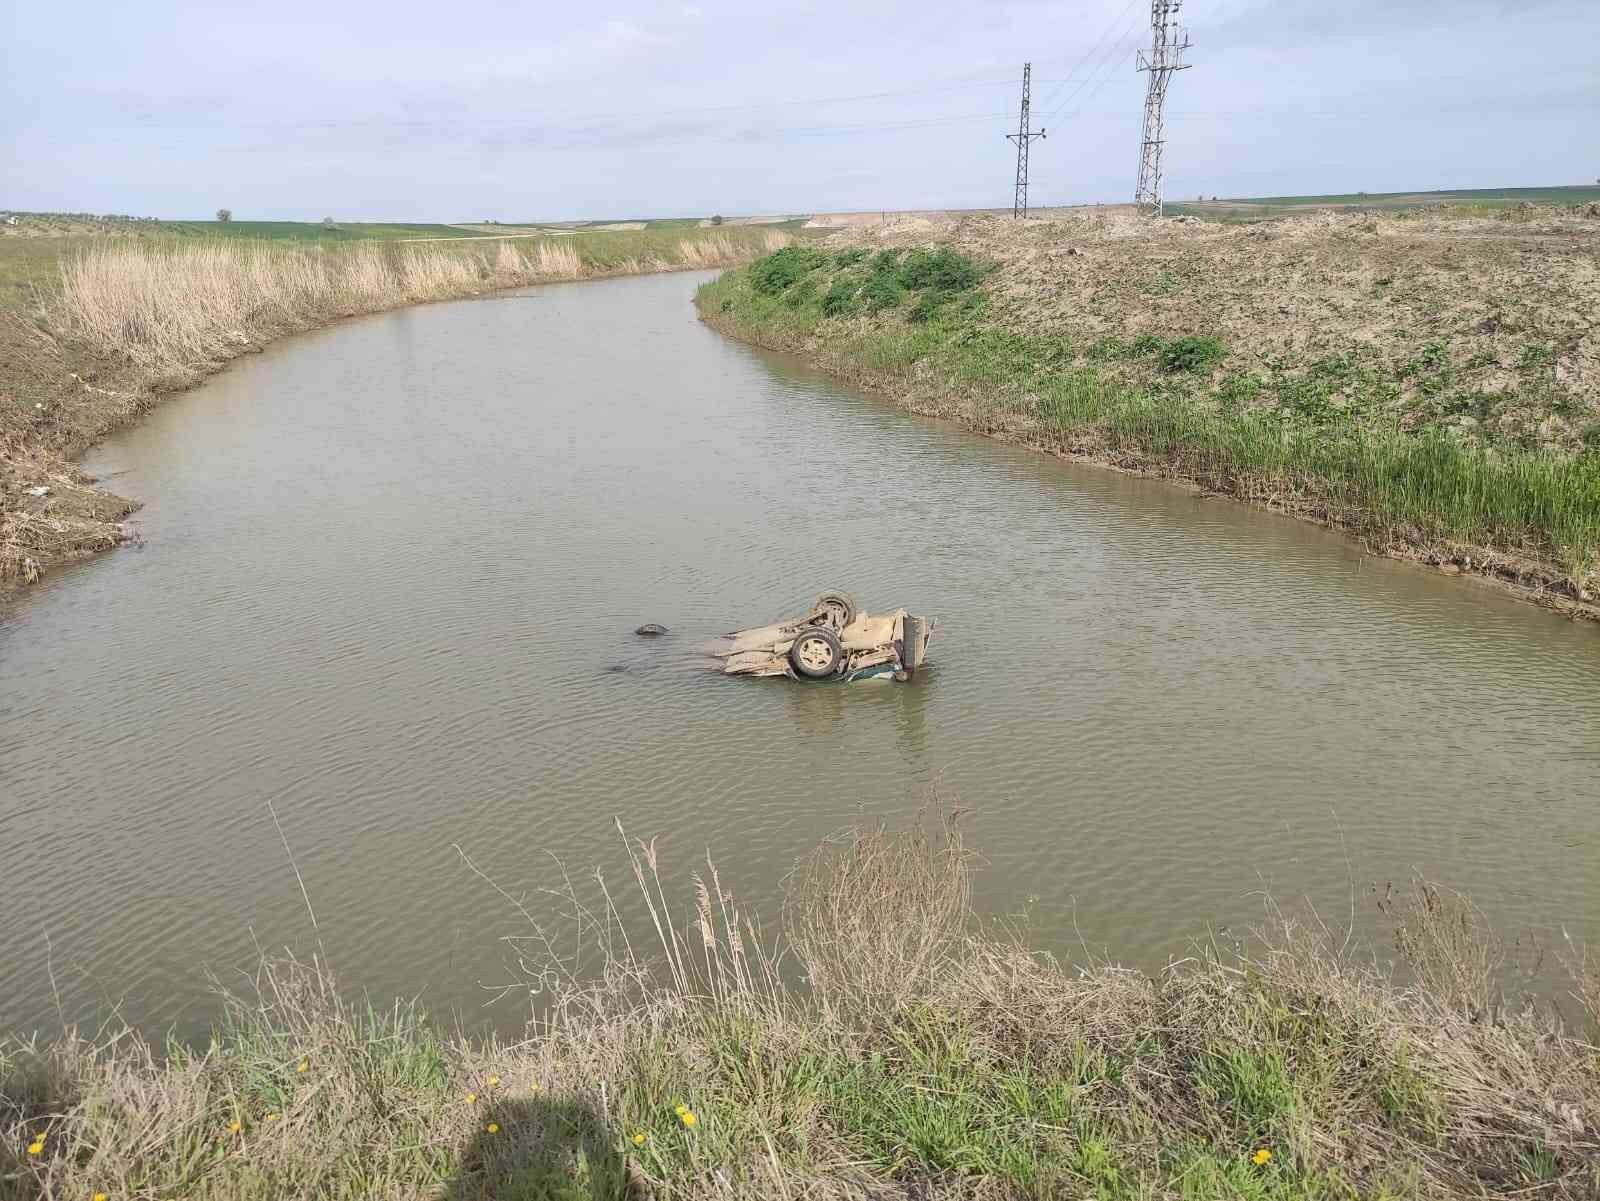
point(883, 291)
point(840, 298)
point(943, 270)
point(782, 269)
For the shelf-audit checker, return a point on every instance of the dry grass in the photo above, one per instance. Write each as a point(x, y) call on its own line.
point(126, 320)
point(888, 1046)
point(174, 308)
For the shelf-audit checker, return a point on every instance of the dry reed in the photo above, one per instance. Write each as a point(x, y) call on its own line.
point(184, 307)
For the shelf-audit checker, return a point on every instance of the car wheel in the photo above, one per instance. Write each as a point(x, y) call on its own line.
point(816, 653)
point(838, 609)
point(915, 638)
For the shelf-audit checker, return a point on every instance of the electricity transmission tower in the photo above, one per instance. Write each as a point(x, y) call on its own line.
point(1168, 41)
point(1023, 138)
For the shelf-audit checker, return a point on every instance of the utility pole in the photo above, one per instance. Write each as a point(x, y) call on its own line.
point(1168, 41)
point(1023, 138)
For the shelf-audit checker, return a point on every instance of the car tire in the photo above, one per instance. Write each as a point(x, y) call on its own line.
point(816, 653)
point(913, 640)
point(836, 607)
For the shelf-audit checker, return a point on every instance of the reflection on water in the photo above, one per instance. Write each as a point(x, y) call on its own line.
point(391, 567)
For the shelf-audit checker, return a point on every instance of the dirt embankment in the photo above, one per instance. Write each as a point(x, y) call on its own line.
point(1488, 325)
point(1465, 330)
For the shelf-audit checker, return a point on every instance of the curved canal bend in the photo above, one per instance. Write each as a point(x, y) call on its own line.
point(390, 576)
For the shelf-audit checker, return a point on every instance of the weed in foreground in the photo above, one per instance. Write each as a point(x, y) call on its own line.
point(888, 1043)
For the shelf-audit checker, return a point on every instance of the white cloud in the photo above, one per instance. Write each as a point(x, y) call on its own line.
point(624, 41)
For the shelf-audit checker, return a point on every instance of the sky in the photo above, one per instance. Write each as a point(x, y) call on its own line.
point(405, 111)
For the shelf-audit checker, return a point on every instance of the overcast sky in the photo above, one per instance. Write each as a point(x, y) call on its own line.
point(524, 111)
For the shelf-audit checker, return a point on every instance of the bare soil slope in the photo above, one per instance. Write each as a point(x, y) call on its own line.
point(1489, 325)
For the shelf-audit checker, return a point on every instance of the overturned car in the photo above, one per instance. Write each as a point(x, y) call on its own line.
point(834, 640)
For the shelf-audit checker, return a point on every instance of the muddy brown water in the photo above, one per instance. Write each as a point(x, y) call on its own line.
point(390, 576)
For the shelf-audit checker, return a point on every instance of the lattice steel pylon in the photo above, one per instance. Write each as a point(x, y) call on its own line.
point(1168, 41)
point(1023, 138)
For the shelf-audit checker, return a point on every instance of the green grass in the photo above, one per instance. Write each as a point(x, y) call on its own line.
point(1322, 433)
point(926, 1056)
point(312, 231)
point(29, 265)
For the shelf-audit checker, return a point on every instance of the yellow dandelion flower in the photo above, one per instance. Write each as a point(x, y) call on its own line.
point(471, 1097)
point(272, 1117)
point(493, 1080)
point(638, 1138)
point(234, 1128)
point(534, 1087)
point(687, 1118)
point(680, 1110)
point(101, 1197)
point(303, 1066)
point(41, 1136)
point(493, 1128)
point(36, 1148)
point(1261, 1157)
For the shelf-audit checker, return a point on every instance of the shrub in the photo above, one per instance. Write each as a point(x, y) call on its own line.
point(849, 258)
point(840, 298)
point(883, 291)
point(927, 305)
point(1191, 353)
point(886, 262)
point(943, 270)
point(782, 269)
point(802, 293)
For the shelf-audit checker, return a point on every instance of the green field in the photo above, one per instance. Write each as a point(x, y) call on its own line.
point(309, 231)
point(1258, 207)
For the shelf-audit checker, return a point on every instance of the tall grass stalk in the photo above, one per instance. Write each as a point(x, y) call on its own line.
point(888, 1044)
point(181, 305)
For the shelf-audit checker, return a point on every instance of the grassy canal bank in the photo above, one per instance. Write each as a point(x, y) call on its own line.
point(95, 330)
point(1429, 384)
point(925, 1055)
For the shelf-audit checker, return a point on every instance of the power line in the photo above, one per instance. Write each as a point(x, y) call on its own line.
point(1115, 21)
point(1168, 41)
point(1023, 138)
point(586, 120)
point(1103, 73)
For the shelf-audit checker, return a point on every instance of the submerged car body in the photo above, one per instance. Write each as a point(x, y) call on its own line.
point(834, 640)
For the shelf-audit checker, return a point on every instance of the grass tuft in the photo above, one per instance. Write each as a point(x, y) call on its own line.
point(888, 1044)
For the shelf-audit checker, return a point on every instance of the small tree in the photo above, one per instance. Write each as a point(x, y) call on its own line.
point(327, 223)
point(224, 214)
point(717, 219)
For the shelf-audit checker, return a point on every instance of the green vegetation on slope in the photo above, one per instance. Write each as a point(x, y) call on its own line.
point(924, 1057)
point(1315, 437)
